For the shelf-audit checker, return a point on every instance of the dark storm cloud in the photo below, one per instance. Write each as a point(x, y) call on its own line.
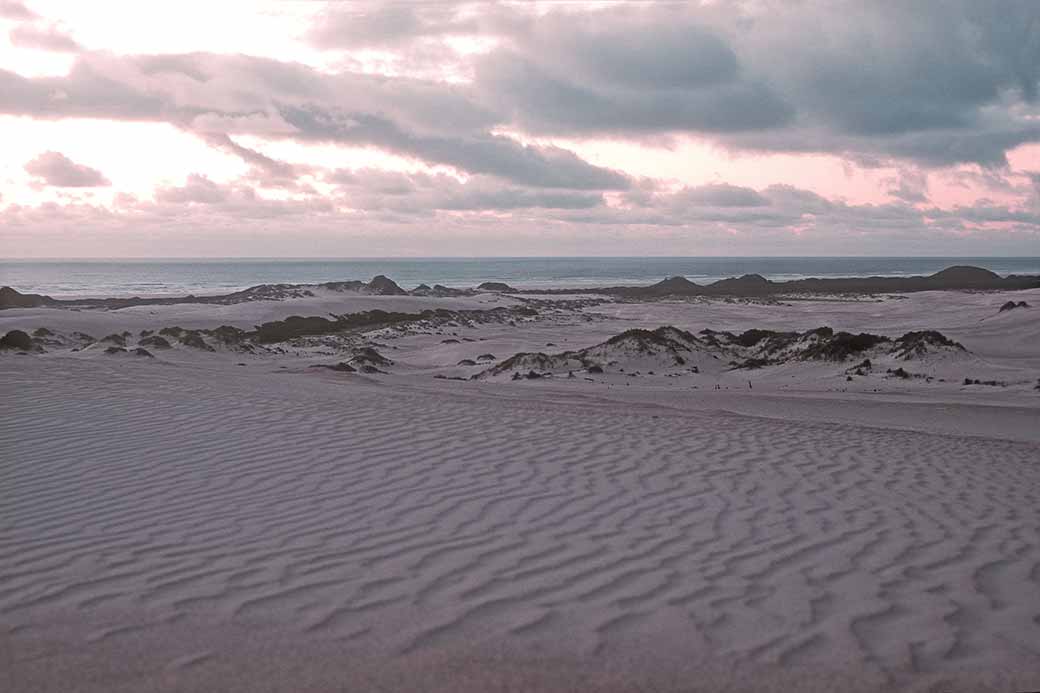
point(431, 122)
point(550, 167)
point(419, 192)
point(56, 169)
point(937, 83)
point(722, 195)
point(931, 84)
point(623, 70)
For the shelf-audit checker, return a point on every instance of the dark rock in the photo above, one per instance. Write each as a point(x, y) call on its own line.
point(16, 339)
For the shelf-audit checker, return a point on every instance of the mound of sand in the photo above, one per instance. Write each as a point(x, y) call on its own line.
point(669, 349)
point(666, 348)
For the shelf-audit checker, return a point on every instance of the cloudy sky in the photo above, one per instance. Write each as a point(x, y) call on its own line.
point(350, 129)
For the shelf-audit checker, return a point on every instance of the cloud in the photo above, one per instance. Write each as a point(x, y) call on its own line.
point(15, 10)
point(421, 193)
point(43, 38)
point(270, 171)
point(633, 70)
point(923, 83)
point(722, 195)
point(413, 118)
point(57, 170)
point(481, 153)
point(197, 189)
point(368, 25)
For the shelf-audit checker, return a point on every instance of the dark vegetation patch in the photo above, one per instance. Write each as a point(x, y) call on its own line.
point(16, 339)
point(156, 342)
point(752, 364)
point(921, 342)
point(864, 367)
point(226, 334)
point(194, 340)
point(991, 383)
point(842, 345)
point(341, 367)
point(368, 355)
point(1011, 305)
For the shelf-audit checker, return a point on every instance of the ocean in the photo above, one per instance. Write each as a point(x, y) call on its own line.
point(112, 278)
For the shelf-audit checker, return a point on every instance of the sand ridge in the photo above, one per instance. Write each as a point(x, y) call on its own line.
point(415, 526)
point(234, 518)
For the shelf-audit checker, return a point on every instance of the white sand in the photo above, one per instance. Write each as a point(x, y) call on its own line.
point(184, 523)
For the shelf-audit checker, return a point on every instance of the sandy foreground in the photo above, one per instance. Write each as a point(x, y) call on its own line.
point(230, 521)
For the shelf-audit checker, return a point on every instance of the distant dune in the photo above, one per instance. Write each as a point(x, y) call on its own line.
point(951, 278)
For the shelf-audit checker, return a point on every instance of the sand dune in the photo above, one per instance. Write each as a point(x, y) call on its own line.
point(183, 522)
point(413, 526)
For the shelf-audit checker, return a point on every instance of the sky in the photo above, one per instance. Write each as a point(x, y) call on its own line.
point(354, 129)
